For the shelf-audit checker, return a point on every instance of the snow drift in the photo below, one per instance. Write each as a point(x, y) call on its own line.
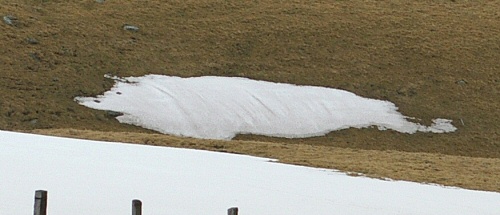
point(91, 177)
point(222, 107)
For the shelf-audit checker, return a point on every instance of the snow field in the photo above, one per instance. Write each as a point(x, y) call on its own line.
point(90, 177)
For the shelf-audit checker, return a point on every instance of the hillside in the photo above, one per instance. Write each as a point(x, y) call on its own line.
point(431, 58)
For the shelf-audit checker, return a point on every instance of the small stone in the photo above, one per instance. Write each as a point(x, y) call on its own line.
point(10, 20)
point(113, 114)
point(461, 82)
point(34, 121)
point(35, 56)
point(128, 27)
point(32, 41)
point(100, 1)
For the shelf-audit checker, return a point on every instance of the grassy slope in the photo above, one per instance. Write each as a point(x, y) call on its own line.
point(468, 172)
point(431, 58)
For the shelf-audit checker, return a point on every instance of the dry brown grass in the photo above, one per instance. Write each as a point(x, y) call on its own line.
point(433, 58)
point(466, 172)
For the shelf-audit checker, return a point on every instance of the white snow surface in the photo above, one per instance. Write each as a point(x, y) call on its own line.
point(222, 107)
point(90, 177)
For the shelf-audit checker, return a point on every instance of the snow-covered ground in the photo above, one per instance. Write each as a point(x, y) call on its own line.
point(221, 107)
point(90, 177)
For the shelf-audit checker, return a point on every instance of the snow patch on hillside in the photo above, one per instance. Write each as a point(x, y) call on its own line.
point(222, 107)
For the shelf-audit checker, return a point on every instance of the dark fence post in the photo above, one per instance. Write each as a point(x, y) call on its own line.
point(40, 202)
point(136, 207)
point(232, 211)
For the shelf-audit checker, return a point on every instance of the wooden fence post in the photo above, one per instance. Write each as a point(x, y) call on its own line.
point(40, 202)
point(232, 211)
point(136, 207)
